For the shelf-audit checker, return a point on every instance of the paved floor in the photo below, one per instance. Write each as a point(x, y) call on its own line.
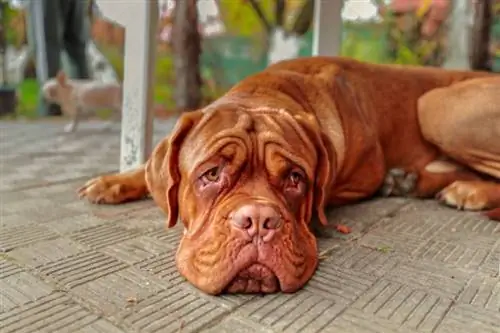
point(68, 266)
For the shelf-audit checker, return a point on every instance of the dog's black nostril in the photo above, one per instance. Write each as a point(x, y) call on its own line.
point(270, 224)
point(247, 223)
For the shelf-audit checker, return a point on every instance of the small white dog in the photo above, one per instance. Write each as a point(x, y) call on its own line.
point(78, 98)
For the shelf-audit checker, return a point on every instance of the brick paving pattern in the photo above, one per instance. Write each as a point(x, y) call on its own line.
point(68, 266)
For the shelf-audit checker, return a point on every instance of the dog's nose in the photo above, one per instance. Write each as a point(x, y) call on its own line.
point(257, 219)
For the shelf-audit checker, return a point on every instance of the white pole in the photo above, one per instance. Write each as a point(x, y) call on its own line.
point(327, 33)
point(140, 20)
point(459, 36)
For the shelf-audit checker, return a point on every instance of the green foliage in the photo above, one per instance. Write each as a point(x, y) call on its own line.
point(12, 35)
point(365, 41)
point(28, 99)
point(240, 18)
point(164, 73)
point(406, 45)
point(115, 58)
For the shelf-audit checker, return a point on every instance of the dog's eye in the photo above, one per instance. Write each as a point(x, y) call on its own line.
point(295, 178)
point(212, 175)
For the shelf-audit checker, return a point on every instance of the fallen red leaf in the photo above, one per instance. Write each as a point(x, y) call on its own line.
point(343, 229)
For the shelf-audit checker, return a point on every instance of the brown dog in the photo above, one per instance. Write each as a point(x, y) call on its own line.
point(246, 174)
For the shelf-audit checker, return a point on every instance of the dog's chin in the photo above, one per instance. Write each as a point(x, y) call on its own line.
point(256, 278)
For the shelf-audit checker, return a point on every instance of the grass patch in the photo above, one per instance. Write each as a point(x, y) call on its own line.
point(28, 92)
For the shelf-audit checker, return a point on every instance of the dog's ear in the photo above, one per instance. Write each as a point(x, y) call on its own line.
point(61, 78)
point(325, 163)
point(162, 169)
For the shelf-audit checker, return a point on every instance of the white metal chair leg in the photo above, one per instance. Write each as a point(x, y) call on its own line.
point(327, 33)
point(140, 20)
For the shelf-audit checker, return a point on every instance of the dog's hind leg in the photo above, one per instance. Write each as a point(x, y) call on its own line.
point(463, 121)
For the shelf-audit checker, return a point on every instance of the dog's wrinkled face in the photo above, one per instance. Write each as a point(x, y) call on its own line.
point(245, 196)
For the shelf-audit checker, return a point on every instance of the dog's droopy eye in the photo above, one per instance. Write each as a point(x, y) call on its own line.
point(212, 175)
point(295, 178)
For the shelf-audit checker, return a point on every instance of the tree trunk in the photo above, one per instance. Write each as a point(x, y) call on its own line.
point(480, 36)
point(186, 44)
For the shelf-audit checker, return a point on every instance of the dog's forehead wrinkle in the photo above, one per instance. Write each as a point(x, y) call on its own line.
point(212, 135)
point(257, 131)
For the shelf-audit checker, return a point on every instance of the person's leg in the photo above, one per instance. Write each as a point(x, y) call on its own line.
point(76, 35)
point(45, 36)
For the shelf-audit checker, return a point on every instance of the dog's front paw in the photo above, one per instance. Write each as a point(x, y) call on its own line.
point(398, 182)
point(70, 127)
point(467, 195)
point(103, 190)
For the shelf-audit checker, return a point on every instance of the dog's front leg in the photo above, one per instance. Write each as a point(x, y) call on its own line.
point(73, 125)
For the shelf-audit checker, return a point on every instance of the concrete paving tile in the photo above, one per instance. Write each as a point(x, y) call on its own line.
point(47, 214)
point(400, 243)
point(110, 212)
point(14, 220)
point(405, 305)
point(299, 312)
point(442, 280)
point(8, 266)
point(376, 262)
point(29, 203)
point(21, 288)
point(45, 252)
point(21, 182)
point(234, 324)
point(482, 291)
point(329, 244)
point(136, 249)
point(96, 326)
point(151, 220)
point(464, 318)
point(118, 291)
point(11, 238)
point(230, 302)
point(102, 235)
point(339, 284)
point(66, 188)
point(171, 236)
point(360, 217)
point(172, 310)
point(469, 223)
point(64, 176)
point(7, 198)
point(162, 266)
point(410, 266)
point(354, 320)
point(491, 264)
point(468, 253)
point(72, 224)
point(422, 218)
point(53, 313)
point(81, 268)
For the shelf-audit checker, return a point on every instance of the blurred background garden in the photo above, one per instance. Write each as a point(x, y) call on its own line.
point(241, 37)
